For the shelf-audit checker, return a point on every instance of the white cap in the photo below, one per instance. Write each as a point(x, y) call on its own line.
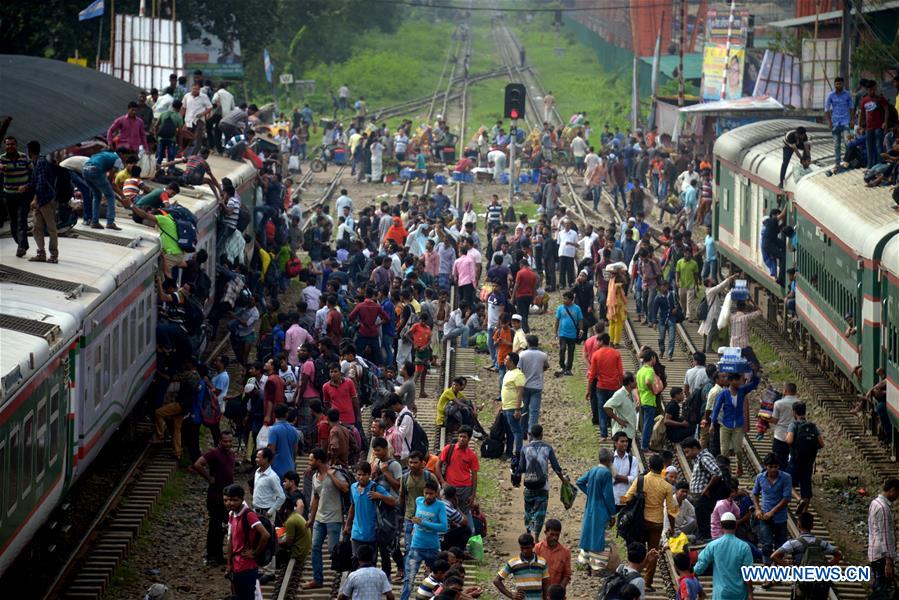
point(728, 516)
point(248, 388)
point(516, 317)
point(671, 469)
point(439, 187)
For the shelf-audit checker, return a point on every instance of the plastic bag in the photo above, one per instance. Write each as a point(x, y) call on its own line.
point(147, 164)
point(262, 437)
point(724, 315)
point(567, 494)
point(678, 543)
point(293, 163)
point(476, 547)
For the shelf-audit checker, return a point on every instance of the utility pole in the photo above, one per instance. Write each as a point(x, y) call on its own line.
point(844, 43)
point(682, 27)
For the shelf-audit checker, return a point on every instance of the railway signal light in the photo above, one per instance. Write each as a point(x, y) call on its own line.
point(514, 101)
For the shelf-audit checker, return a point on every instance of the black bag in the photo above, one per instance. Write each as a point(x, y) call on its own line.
point(449, 457)
point(419, 437)
point(491, 448)
point(805, 443)
point(342, 559)
point(243, 218)
point(167, 129)
point(268, 553)
point(630, 520)
point(703, 310)
point(694, 407)
point(387, 524)
point(534, 474)
point(611, 587)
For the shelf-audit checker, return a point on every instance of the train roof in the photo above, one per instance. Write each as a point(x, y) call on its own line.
point(88, 270)
point(30, 334)
point(890, 259)
point(757, 148)
point(238, 172)
point(861, 217)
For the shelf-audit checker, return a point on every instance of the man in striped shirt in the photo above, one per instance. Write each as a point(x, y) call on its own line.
point(882, 534)
point(15, 172)
point(528, 570)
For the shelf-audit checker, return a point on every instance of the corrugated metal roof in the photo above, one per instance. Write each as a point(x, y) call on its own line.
point(833, 15)
point(57, 103)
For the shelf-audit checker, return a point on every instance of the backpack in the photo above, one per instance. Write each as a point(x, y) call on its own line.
point(243, 218)
point(322, 374)
point(694, 407)
point(210, 409)
point(703, 310)
point(813, 556)
point(369, 384)
point(805, 442)
point(268, 553)
point(345, 498)
point(186, 229)
point(308, 239)
point(535, 475)
point(491, 447)
point(167, 129)
point(419, 437)
point(630, 519)
point(611, 587)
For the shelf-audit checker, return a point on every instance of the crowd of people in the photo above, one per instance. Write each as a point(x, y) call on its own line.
point(337, 374)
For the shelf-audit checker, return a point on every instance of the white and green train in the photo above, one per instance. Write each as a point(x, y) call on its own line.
point(845, 249)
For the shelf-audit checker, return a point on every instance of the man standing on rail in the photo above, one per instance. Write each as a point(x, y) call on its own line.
point(882, 535)
point(216, 467)
point(248, 538)
point(549, 103)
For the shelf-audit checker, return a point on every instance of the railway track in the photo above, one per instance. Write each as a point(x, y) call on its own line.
point(89, 568)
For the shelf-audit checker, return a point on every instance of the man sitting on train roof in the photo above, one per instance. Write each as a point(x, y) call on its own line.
point(196, 172)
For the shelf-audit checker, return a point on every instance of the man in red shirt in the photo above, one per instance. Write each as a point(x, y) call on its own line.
point(340, 394)
point(272, 393)
point(872, 115)
point(523, 291)
point(458, 466)
point(370, 315)
point(334, 321)
point(248, 538)
point(604, 377)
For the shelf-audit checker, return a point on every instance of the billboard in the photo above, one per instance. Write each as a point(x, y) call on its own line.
point(820, 65)
point(217, 58)
point(146, 50)
point(716, 60)
point(717, 26)
point(779, 78)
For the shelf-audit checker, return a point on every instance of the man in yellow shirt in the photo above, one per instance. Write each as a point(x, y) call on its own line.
point(453, 392)
point(519, 341)
point(645, 378)
point(658, 495)
point(511, 394)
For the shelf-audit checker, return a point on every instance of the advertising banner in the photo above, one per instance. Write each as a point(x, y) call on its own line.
point(217, 58)
point(716, 61)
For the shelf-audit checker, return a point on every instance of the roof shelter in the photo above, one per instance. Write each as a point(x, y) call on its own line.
point(57, 103)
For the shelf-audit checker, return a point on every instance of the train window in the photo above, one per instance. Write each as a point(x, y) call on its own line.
point(140, 329)
point(116, 354)
point(4, 474)
point(134, 327)
point(98, 367)
point(148, 322)
point(12, 478)
point(27, 453)
point(41, 458)
point(126, 325)
point(107, 346)
point(56, 408)
point(717, 172)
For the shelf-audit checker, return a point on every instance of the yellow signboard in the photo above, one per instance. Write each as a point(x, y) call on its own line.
point(715, 58)
point(77, 61)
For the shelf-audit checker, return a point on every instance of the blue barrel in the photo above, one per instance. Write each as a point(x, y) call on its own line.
point(524, 178)
point(339, 156)
point(440, 179)
point(504, 178)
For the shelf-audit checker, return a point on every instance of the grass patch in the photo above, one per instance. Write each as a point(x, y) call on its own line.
point(492, 471)
point(775, 369)
point(484, 578)
point(583, 429)
point(575, 76)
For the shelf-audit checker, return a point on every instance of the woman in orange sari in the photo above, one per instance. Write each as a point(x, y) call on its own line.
point(396, 234)
point(616, 308)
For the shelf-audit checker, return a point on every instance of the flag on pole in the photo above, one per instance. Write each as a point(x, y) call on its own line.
point(269, 69)
point(95, 9)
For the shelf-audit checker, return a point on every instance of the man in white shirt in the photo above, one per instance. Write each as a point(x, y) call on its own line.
point(567, 240)
point(400, 141)
point(685, 180)
point(405, 424)
point(497, 160)
point(579, 149)
point(782, 418)
point(625, 467)
point(223, 99)
point(343, 95)
point(268, 495)
point(549, 103)
point(197, 107)
point(344, 201)
point(586, 242)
